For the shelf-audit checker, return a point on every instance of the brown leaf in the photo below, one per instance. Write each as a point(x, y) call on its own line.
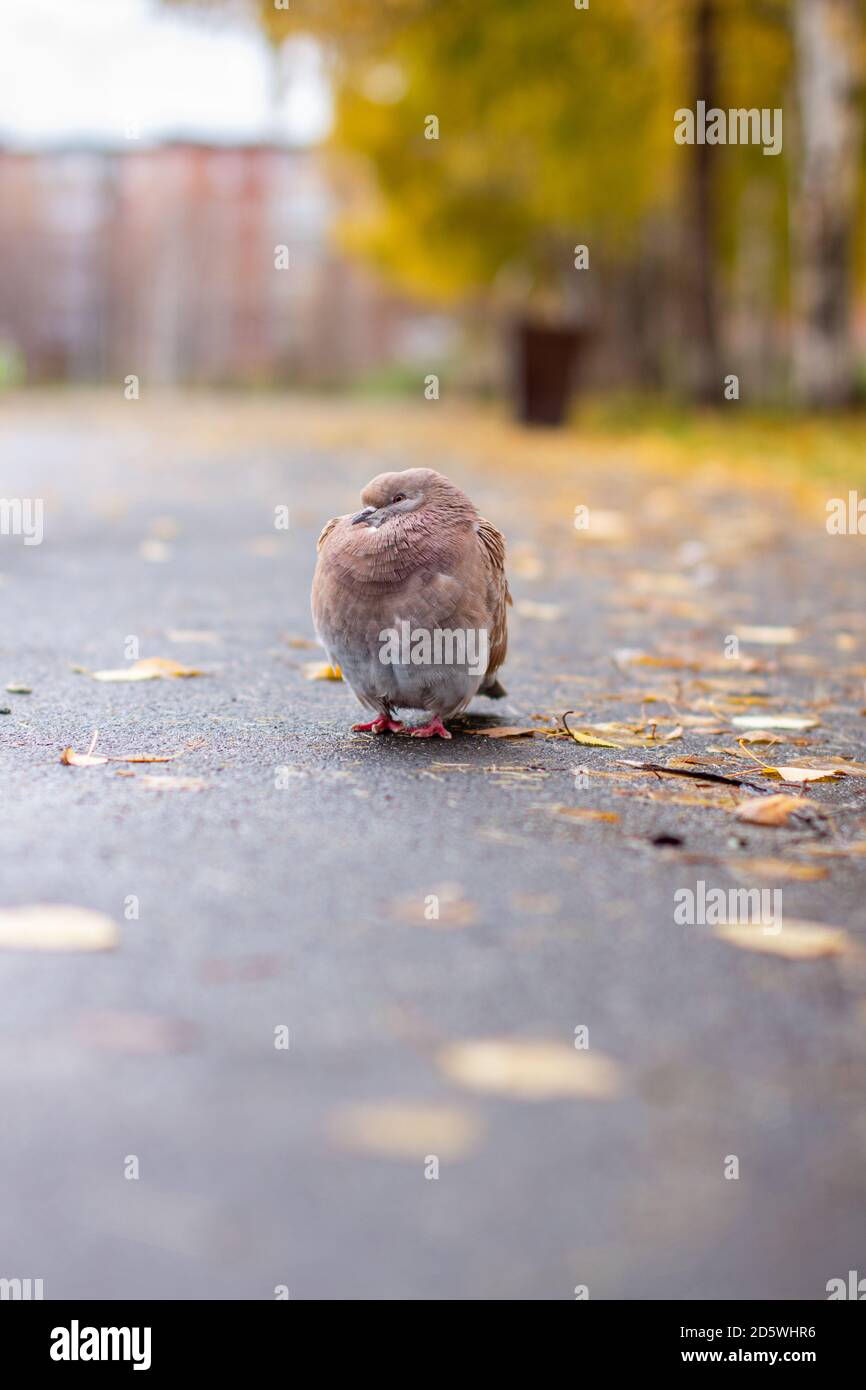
point(774, 868)
point(579, 812)
point(771, 810)
point(502, 731)
point(832, 851)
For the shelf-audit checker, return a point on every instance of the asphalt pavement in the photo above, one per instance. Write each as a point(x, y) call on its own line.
point(280, 880)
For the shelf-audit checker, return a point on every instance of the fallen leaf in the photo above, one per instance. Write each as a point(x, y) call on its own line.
point(142, 757)
point(795, 940)
point(14, 689)
point(393, 1129)
point(72, 759)
point(148, 669)
point(171, 784)
point(848, 766)
point(783, 636)
point(802, 774)
point(526, 1069)
point(578, 812)
point(45, 927)
point(770, 810)
point(761, 736)
point(501, 731)
point(832, 851)
point(774, 868)
point(774, 721)
point(592, 740)
point(321, 671)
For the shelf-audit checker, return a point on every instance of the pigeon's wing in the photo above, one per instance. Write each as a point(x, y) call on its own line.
point(493, 551)
point(326, 531)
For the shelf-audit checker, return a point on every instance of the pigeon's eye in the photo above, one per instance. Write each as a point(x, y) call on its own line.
point(399, 497)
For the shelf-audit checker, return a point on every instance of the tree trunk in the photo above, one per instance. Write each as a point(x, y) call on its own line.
point(707, 378)
point(829, 44)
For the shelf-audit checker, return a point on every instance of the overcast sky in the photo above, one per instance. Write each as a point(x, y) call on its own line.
point(89, 70)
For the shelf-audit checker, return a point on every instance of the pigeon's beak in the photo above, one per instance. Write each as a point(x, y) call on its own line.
point(363, 515)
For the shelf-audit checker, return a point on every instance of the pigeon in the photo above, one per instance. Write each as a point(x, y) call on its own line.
point(409, 600)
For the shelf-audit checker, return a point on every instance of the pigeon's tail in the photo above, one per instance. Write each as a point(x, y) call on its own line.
point(494, 690)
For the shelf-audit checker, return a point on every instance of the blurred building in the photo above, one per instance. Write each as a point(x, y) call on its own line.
point(162, 262)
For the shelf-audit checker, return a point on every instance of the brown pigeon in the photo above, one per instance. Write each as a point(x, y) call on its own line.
point(409, 600)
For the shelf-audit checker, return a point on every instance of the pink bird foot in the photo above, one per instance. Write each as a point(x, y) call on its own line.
point(435, 729)
point(380, 725)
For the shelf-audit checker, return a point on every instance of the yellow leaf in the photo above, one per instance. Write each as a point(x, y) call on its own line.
point(794, 940)
point(527, 1069)
point(148, 669)
point(321, 671)
point(53, 928)
point(802, 774)
point(591, 741)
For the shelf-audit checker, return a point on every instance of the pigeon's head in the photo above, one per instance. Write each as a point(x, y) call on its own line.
point(390, 496)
